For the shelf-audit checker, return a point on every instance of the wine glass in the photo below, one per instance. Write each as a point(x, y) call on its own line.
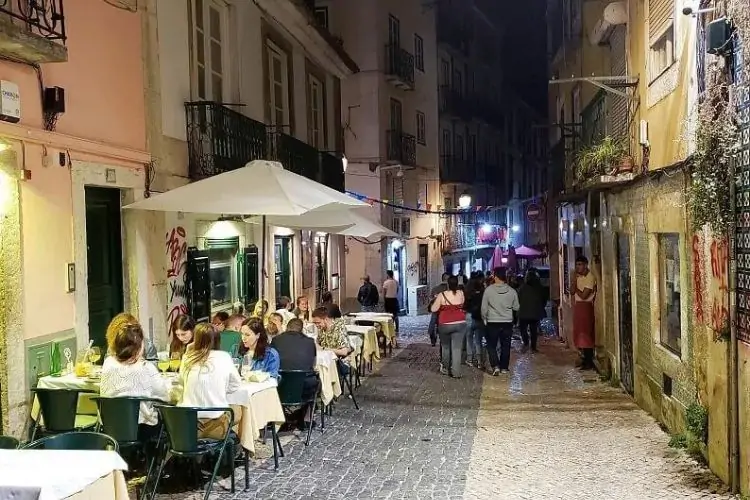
point(175, 361)
point(163, 362)
point(95, 354)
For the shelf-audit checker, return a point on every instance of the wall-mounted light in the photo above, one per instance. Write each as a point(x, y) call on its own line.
point(515, 228)
point(486, 228)
point(71, 269)
point(464, 201)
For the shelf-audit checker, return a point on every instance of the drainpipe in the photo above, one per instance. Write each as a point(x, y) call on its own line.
point(734, 394)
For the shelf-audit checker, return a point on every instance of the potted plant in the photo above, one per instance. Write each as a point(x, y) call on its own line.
point(608, 157)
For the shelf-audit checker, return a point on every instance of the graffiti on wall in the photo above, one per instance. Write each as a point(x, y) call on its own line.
point(711, 282)
point(176, 250)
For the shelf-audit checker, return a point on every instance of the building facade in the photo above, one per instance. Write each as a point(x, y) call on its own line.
point(229, 82)
point(492, 145)
point(73, 146)
point(664, 306)
point(391, 136)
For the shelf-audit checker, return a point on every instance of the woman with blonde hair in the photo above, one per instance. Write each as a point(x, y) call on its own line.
point(208, 375)
point(117, 325)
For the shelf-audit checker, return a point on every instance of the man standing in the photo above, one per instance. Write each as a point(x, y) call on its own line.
point(584, 289)
point(390, 297)
point(368, 296)
point(499, 302)
point(436, 290)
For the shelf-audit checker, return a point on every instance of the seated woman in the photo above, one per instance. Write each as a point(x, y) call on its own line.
point(260, 356)
point(181, 334)
point(220, 320)
point(208, 375)
point(126, 374)
point(115, 326)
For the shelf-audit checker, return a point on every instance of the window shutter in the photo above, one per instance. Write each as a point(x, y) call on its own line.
point(398, 194)
point(617, 105)
point(660, 14)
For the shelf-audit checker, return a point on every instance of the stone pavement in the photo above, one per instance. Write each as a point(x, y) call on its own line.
point(542, 432)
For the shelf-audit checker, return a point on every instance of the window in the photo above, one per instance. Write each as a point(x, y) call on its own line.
point(316, 125)
point(459, 147)
point(321, 16)
point(394, 31)
point(396, 115)
point(660, 36)
point(222, 254)
point(445, 72)
point(419, 53)
point(421, 131)
point(669, 291)
point(661, 54)
point(209, 51)
point(278, 81)
point(446, 143)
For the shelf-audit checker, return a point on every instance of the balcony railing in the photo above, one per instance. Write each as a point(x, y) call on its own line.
point(33, 30)
point(455, 170)
point(399, 67)
point(467, 236)
point(221, 139)
point(402, 148)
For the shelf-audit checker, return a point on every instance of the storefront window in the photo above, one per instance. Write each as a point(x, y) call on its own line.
point(223, 271)
point(669, 291)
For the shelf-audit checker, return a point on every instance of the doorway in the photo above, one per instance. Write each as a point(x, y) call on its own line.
point(321, 267)
point(398, 266)
point(625, 309)
point(104, 257)
point(283, 266)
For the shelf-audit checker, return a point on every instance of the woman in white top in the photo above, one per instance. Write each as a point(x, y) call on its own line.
point(451, 327)
point(208, 375)
point(126, 374)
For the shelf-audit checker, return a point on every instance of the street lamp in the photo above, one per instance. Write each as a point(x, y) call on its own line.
point(515, 228)
point(464, 201)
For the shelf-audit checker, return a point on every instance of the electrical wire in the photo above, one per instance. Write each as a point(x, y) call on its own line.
point(439, 212)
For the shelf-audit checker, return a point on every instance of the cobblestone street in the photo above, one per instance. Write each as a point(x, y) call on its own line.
point(543, 432)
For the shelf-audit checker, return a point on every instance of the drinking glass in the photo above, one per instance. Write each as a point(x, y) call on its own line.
point(175, 362)
point(163, 362)
point(95, 354)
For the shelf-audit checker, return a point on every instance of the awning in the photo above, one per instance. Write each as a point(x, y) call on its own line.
point(347, 222)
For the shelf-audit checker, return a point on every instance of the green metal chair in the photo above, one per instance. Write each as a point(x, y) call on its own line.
point(118, 418)
point(181, 424)
point(229, 341)
point(59, 411)
point(88, 441)
point(8, 443)
point(291, 391)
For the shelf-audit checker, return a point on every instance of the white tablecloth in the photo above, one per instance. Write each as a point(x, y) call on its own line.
point(55, 474)
point(247, 389)
point(255, 405)
point(329, 375)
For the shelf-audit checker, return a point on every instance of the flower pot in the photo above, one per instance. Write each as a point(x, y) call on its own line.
point(625, 165)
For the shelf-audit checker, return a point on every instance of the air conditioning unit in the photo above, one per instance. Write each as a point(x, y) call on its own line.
point(614, 14)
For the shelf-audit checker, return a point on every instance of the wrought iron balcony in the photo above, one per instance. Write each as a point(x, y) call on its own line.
point(399, 67)
point(221, 139)
point(402, 148)
point(455, 170)
point(33, 31)
point(454, 102)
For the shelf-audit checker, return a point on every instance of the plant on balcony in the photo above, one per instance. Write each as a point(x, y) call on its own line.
point(608, 157)
point(717, 137)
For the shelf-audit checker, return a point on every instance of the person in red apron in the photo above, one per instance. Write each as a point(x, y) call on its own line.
point(584, 293)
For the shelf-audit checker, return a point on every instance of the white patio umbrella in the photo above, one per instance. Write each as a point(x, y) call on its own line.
point(259, 188)
point(349, 222)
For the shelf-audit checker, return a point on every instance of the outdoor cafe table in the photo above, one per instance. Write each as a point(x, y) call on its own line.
point(329, 375)
point(384, 320)
point(255, 404)
point(58, 474)
point(370, 349)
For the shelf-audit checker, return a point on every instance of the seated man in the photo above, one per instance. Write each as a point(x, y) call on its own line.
point(297, 352)
point(331, 332)
point(230, 339)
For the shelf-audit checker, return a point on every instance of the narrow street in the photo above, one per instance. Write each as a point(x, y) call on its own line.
point(544, 432)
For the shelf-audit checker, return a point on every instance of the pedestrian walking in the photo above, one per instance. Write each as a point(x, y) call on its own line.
point(451, 327)
point(499, 302)
point(531, 309)
point(474, 325)
point(390, 297)
point(368, 296)
point(436, 290)
point(583, 311)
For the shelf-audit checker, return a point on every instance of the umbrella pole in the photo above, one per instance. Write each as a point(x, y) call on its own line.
point(263, 252)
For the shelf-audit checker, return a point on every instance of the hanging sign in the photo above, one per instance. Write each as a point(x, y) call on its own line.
point(534, 212)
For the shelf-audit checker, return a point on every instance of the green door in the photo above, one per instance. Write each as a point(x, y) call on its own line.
point(104, 255)
point(283, 261)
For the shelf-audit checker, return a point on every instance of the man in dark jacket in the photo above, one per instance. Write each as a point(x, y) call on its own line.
point(368, 296)
point(436, 290)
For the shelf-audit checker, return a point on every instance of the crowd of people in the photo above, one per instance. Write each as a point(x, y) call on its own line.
point(474, 320)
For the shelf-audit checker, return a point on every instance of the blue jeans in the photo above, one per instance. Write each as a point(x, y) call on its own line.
point(474, 335)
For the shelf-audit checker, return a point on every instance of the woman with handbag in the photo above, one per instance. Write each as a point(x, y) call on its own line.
point(449, 306)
